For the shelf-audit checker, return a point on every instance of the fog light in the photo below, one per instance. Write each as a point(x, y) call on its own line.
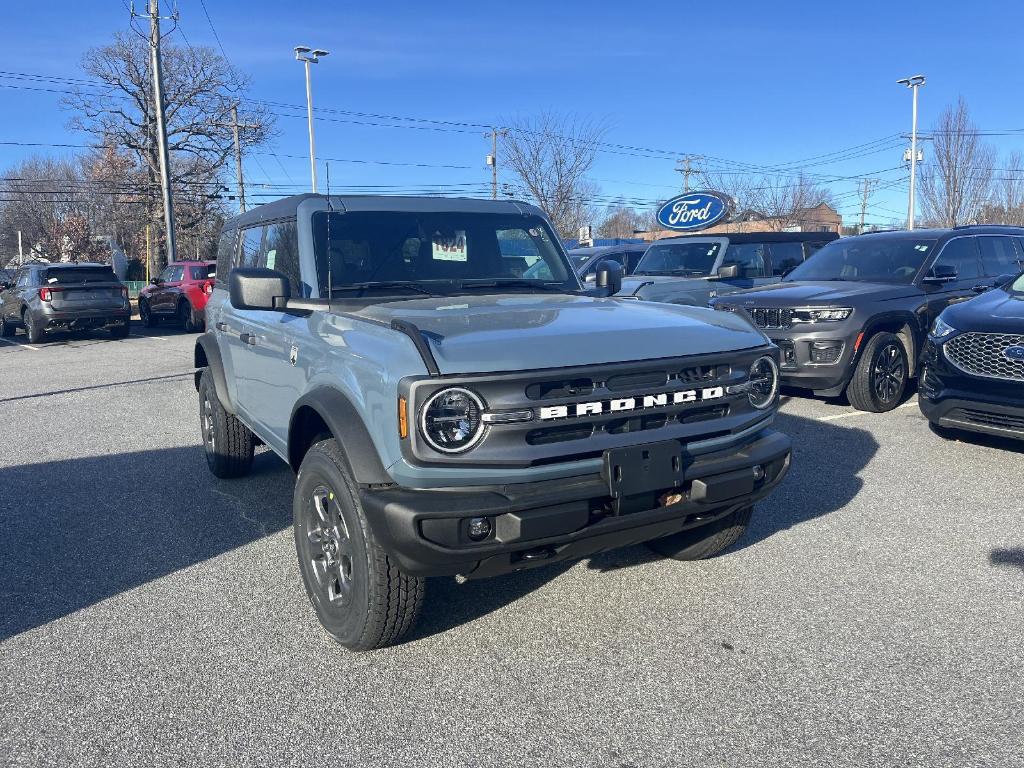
point(758, 471)
point(479, 528)
point(826, 351)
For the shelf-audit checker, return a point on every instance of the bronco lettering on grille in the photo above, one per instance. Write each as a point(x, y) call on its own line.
point(623, 404)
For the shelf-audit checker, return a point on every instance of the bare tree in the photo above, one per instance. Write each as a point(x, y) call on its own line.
point(552, 155)
point(957, 182)
point(621, 221)
point(782, 201)
point(200, 88)
point(1006, 205)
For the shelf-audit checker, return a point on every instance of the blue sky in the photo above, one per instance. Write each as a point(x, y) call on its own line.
point(750, 82)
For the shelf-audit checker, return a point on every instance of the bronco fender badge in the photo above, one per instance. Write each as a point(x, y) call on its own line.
point(293, 355)
point(624, 404)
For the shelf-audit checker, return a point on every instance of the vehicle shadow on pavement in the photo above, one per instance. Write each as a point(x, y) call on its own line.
point(1010, 557)
point(828, 459)
point(79, 531)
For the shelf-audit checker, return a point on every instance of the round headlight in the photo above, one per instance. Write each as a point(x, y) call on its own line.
point(764, 382)
point(450, 420)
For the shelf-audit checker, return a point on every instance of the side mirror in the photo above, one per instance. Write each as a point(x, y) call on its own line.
point(154, 281)
point(609, 276)
point(6, 285)
point(258, 288)
point(941, 273)
point(728, 272)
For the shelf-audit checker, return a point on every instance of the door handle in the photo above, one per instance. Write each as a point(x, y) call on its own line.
point(248, 338)
point(222, 326)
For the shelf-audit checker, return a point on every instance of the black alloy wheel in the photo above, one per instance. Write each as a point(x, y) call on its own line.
point(883, 371)
point(889, 373)
point(146, 314)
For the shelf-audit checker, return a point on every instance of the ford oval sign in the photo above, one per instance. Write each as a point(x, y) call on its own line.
point(1014, 353)
point(694, 211)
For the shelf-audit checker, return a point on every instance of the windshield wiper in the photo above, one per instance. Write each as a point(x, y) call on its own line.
point(512, 282)
point(361, 287)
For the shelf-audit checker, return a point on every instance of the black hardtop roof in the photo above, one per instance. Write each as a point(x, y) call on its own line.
point(287, 206)
point(937, 232)
point(755, 237)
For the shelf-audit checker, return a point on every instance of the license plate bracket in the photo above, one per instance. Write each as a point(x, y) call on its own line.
point(643, 468)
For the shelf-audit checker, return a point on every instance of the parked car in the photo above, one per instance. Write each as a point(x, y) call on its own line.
point(854, 317)
point(585, 260)
point(179, 294)
point(48, 298)
point(447, 416)
point(973, 377)
point(695, 268)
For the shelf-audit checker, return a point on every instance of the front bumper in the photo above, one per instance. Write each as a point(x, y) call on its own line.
point(799, 369)
point(953, 399)
point(426, 531)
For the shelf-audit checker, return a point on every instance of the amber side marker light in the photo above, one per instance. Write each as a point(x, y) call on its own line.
point(403, 418)
point(860, 338)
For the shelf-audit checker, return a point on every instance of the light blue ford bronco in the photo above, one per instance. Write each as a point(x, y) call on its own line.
point(447, 416)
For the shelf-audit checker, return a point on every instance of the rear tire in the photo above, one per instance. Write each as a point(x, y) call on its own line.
point(705, 541)
point(360, 595)
point(227, 442)
point(36, 335)
point(880, 379)
point(146, 314)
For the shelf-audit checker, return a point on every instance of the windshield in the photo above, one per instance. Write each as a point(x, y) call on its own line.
point(689, 258)
point(440, 251)
point(868, 260)
point(69, 275)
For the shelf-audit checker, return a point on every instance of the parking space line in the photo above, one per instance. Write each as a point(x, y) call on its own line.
point(847, 415)
point(18, 344)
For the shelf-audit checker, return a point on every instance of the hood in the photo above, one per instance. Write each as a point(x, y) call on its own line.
point(695, 291)
point(997, 311)
point(496, 333)
point(803, 294)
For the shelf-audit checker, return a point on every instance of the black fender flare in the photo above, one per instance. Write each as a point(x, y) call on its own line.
point(342, 418)
point(207, 357)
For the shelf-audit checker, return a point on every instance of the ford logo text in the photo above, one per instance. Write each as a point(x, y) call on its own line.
point(694, 211)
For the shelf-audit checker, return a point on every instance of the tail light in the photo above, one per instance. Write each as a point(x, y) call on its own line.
point(208, 288)
point(47, 293)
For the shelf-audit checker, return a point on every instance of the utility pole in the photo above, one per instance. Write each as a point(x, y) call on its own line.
point(492, 159)
point(913, 83)
point(161, 124)
point(21, 255)
point(235, 126)
point(866, 185)
point(309, 56)
point(683, 167)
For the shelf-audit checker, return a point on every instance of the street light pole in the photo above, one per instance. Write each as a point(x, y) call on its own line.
point(309, 56)
point(913, 83)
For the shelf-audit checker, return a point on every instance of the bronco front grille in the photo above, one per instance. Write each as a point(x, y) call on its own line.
point(767, 317)
point(984, 354)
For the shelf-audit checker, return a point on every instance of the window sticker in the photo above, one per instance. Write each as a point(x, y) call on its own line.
point(271, 258)
point(450, 248)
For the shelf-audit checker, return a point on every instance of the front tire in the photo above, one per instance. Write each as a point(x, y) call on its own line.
point(36, 335)
point(360, 595)
point(880, 379)
point(705, 541)
point(227, 442)
point(146, 314)
point(187, 317)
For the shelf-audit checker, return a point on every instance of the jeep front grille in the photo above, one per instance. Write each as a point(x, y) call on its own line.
point(982, 354)
point(766, 317)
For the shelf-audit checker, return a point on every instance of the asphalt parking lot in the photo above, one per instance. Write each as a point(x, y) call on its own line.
point(152, 615)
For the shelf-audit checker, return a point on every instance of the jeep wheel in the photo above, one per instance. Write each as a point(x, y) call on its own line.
point(880, 378)
point(228, 443)
point(145, 314)
point(705, 541)
point(6, 328)
point(360, 596)
point(36, 335)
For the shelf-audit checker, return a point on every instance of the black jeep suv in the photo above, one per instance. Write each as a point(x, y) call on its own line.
point(855, 316)
point(973, 365)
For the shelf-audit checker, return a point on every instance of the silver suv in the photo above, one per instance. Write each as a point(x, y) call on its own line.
point(447, 416)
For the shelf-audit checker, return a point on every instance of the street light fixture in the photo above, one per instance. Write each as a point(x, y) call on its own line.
point(309, 56)
point(913, 83)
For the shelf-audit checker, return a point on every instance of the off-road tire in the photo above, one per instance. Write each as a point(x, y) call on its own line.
point(227, 442)
point(36, 335)
point(376, 604)
point(121, 331)
point(863, 389)
point(705, 541)
point(6, 329)
point(146, 314)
